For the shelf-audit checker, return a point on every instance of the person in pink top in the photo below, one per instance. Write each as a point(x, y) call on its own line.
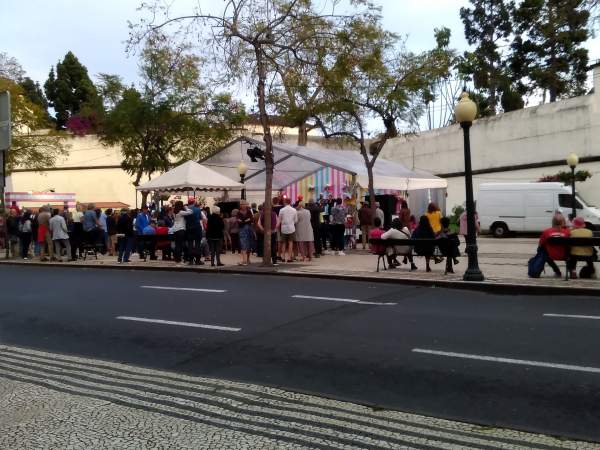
point(376, 233)
point(463, 223)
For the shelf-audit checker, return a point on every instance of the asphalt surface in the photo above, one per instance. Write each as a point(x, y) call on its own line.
point(485, 358)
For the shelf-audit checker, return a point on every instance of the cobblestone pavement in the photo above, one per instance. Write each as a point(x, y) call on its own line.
point(51, 401)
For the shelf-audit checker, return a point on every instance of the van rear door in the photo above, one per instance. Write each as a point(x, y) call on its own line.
point(539, 209)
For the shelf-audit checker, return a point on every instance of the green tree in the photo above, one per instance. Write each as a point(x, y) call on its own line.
point(547, 50)
point(33, 145)
point(33, 91)
point(171, 117)
point(488, 27)
point(70, 90)
point(252, 40)
point(110, 88)
point(374, 81)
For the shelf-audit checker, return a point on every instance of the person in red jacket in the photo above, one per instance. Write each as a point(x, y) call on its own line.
point(164, 245)
point(555, 252)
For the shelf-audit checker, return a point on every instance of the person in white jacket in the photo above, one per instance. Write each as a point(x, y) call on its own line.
point(398, 232)
point(178, 229)
point(60, 235)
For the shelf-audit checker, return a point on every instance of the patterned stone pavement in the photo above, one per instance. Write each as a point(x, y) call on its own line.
point(51, 401)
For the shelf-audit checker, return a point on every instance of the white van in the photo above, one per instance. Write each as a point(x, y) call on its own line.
point(527, 207)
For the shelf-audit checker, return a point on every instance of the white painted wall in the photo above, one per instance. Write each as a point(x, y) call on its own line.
point(542, 133)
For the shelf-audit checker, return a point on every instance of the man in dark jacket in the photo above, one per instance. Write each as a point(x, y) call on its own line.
point(214, 235)
point(315, 221)
point(12, 229)
point(193, 233)
point(125, 236)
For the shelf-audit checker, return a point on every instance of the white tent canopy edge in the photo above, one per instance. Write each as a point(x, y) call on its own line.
point(190, 176)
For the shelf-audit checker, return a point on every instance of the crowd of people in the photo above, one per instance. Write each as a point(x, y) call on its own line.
point(182, 232)
point(193, 234)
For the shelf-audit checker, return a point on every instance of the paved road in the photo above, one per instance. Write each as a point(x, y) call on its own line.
point(483, 358)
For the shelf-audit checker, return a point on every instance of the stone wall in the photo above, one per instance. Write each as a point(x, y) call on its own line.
point(518, 146)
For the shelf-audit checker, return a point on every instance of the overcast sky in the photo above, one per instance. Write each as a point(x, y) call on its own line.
point(39, 32)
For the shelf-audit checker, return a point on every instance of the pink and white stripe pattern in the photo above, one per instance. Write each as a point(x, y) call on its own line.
point(40, 197)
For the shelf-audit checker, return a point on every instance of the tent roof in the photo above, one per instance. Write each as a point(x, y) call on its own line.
point(190, 176)
point(293, 163)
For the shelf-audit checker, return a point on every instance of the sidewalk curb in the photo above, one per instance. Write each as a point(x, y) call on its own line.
point(495, 287)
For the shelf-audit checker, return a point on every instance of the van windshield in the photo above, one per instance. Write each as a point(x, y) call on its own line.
point(583, 201)
point(564, 201)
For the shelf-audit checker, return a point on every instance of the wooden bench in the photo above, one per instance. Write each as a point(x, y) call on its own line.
point(569, 242)
point(153, 239)
point(386, 243)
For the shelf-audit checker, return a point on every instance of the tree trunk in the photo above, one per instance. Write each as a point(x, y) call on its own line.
point(269, 163)
point(302, 134)
point(144, 197)
point(372, 200)
point(493, 100)
point(136, 183)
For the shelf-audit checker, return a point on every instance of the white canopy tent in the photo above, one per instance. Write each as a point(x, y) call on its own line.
point(190, 176)
point(293, 163)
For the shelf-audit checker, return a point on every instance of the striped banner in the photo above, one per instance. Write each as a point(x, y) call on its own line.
point(329, 182)
point(41, 197)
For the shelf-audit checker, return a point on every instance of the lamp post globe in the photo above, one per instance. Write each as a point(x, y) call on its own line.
point(466, 109)
point(465, 113)
point(242, 169)
point(572, 161)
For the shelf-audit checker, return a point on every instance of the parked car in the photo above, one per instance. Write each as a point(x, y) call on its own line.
point(527, 207)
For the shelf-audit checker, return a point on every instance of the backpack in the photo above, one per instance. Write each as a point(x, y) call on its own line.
point(535, 266)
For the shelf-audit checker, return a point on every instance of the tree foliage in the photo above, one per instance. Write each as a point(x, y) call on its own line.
point(252, 40)
point(10, 68)
point(110, 88)
point(33, 91)
point(593, 6)
point(171, 116)
point(70, 91)
point(488, 27)
point(548, 56)
point(375, 80)
point(33, 145)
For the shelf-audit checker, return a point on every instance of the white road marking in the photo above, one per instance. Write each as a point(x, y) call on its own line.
point(181, 324)
point(168, 288)
point(344, 300)
point(521, 362)
point(572, 316)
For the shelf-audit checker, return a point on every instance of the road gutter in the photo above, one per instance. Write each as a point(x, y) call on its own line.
point(499, 288)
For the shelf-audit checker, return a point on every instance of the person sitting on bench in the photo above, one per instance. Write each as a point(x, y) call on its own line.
point(555, 252)
point(398, 232)
point(376, 233)
point(581, 253)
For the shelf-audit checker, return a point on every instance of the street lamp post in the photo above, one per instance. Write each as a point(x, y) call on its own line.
point(465, 112)
point(242, 169)
point(572, 161)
